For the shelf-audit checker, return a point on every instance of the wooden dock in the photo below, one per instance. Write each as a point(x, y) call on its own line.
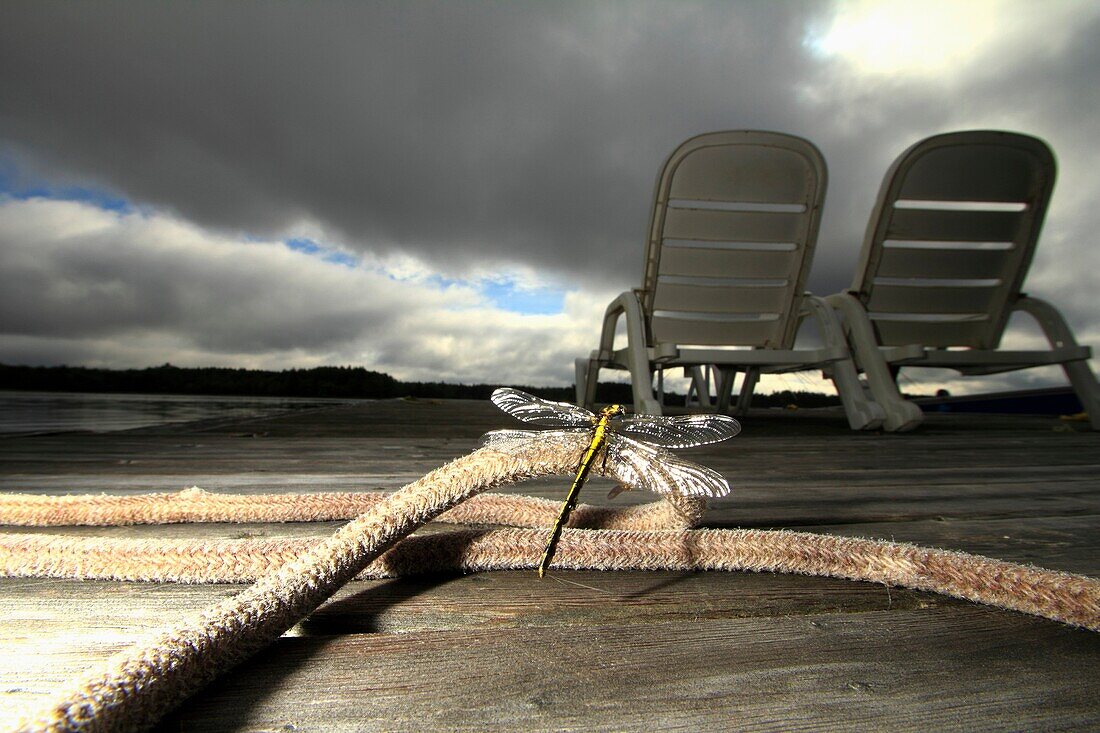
point(605, 651)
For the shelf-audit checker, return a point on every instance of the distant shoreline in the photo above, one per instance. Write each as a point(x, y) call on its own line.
point(318, 382)
point(328, 382)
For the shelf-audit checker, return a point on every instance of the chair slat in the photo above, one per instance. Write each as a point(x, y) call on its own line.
point(733, 226)
point(933, 299)
point(973, 264)
point(716, 333)
point(932, 334)
point(683, 297)
point(702, 262)
point(954, 226)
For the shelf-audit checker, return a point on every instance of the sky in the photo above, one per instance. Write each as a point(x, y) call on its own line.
point(455, 191)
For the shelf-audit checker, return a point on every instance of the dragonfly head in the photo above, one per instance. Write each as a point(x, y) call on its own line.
point(612, 410)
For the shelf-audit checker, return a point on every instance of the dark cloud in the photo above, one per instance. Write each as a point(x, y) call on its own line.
point(474, 136)
point(522, 132)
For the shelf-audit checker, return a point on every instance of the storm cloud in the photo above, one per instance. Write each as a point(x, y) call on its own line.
point(138, 288)
point(462, 141)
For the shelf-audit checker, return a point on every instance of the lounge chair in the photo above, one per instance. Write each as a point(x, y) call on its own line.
point(945, 255)
point(731, 238)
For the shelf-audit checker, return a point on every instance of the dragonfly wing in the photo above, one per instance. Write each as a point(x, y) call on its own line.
point(635, 463)
point(507, 441)
point(684, 431)
point(513, 441)
point(538, 411)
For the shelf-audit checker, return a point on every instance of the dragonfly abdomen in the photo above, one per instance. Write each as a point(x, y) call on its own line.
point(599, 438)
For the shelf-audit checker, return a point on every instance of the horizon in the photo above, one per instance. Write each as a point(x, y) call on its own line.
point(473, 385)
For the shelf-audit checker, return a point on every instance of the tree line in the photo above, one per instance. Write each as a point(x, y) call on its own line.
point(330, 381)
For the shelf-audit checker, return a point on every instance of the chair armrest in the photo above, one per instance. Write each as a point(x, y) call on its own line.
point(627, 304)
point(637, 357)
point(831, 334)
point(861, 334)
point(1050, 320)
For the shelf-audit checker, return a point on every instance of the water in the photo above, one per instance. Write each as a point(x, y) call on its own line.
point(35, 412)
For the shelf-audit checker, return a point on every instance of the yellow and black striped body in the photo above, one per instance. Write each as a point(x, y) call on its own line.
point(599, 437)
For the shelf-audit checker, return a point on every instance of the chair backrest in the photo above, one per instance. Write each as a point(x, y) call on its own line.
point(734, 225)
point(951, 238)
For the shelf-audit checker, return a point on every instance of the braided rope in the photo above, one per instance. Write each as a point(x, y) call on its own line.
point(195, 505)
point(1072, 599)
point(137, 686)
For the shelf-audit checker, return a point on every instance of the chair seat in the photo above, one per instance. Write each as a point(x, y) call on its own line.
point(983, 361)
point(768, 360)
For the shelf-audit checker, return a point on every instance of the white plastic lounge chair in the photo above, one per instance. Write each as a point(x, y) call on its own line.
point(731, 238)
point(945, 254)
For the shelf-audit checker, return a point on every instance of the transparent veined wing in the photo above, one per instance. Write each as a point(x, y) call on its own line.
point(685, 431)
point(635, 463)
point(538, 411)
point(512, 441)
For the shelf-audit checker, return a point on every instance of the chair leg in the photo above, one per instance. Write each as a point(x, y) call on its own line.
point(752, 375)
point(641, 385)
point(1059, 335)
point(644, 401)
point(1084, 384)
point(700, 385)
point(580, 385)
point(900, 414)
point(862, 413)
point(727, 375)
point(704, 393)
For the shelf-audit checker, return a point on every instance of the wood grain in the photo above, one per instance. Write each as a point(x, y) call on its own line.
point(941, 668)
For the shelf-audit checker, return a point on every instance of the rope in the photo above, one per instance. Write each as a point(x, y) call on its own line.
point(1072, 599)
point(195, 505)
point(134, 688)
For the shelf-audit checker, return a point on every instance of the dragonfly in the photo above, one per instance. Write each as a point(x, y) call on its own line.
point(636, 445)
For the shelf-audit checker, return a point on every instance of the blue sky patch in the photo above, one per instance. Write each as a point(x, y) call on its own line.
point(309, 247)
point(18, 187)
point(505, 295)
point(445, 282)
point(341, 258)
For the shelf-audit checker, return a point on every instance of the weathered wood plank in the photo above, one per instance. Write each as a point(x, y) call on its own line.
point(123, 451)
point(608, 651)
point(117, 611)
point(943, 669)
